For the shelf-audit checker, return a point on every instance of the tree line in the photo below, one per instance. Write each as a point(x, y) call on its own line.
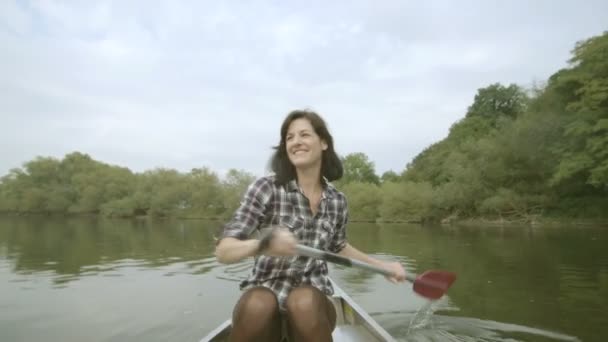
point(78, 184)
point(518, 154)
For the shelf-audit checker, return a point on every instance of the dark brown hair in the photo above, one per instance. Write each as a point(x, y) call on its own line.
point(331, 165)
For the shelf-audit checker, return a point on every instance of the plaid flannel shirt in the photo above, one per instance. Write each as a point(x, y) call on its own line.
point(267, 204)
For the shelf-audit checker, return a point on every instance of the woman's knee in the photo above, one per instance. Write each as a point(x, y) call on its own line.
point(310, 315)
point(259, 303)
point(256, 317)
point(306, 300)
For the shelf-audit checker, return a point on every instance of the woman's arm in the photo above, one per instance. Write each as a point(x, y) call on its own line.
point(395, 267)
point(235, 243)
point(230, 250)
point(281, 242)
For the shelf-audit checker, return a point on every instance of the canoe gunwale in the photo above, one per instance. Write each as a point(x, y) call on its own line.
point(366, 319)
point(222, 328)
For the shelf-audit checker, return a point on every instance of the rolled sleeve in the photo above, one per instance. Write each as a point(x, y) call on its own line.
point(251, 211)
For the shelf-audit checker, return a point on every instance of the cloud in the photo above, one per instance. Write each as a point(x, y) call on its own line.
point(191, 84)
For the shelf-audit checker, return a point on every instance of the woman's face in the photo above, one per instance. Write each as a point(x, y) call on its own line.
point(304, 147)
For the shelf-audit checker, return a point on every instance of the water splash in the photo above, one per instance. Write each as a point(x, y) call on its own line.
point(422, 318)
point(426, 326)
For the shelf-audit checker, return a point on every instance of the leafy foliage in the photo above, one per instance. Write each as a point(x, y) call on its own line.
point(516, 154)
point(390, 176)
point(496, 101)
point(80, 185)
point(363, 200)
point(519, 156)
point(406, 201)
point(358, 168)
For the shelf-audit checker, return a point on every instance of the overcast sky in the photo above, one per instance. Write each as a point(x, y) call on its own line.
point(184, 84)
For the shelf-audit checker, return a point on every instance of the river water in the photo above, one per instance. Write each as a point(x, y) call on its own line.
point(141, 280)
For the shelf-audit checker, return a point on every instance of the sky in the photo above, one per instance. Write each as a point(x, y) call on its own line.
point(185, 84)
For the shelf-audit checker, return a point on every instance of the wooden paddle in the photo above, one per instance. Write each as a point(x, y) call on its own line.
point(431, 284)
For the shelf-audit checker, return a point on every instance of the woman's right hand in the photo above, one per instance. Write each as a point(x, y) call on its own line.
point(281, 243)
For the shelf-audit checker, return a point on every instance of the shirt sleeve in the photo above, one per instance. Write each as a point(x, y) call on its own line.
point(251, 211)
point(339, 240)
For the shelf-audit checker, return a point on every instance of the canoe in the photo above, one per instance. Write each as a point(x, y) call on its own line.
point(352, 323)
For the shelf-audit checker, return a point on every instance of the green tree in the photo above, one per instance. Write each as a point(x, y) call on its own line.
point(98, 184)
point(233, 188)
point(364, 200)
point(390, 176)
point(584, 87)
point(205, 193)
point(406, 201)
point(358, 168)
point(164, 191)
point(496, 101)
point(10, 192)
point(516, 154)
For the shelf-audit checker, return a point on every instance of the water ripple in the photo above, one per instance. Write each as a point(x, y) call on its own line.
point(447, 328)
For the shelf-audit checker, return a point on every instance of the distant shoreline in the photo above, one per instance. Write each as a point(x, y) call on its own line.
point(472, 222)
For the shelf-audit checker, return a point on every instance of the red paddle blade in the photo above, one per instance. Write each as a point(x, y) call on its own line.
point(433, 284)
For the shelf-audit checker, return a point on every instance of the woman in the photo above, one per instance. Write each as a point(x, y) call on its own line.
point(297, 204)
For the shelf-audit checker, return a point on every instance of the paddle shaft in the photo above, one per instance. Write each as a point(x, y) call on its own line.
point(344, 261)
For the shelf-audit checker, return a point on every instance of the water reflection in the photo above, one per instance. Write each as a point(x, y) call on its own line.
point(80, 247)
point(158, 280)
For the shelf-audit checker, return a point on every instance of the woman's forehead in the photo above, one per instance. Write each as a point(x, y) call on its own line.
point(299, 125)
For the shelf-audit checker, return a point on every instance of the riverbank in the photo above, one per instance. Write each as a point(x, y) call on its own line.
point(452, 221)
point(539, 222)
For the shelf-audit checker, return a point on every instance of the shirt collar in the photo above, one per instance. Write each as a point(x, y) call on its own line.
point(292, 185)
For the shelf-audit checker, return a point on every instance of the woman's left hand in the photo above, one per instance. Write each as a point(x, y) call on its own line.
point(397, 270)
